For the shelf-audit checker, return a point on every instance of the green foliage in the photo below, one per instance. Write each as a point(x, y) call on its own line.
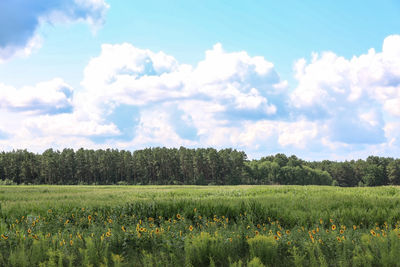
point(198, 250)
point(263, 248)
point(206, 250)
point(183, 166)
point(255, 262)
point(199, 226)
point(7, 182)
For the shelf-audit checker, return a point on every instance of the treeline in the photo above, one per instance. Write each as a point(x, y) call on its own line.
point(202, 166)
point(279, 169)
point(112, 166)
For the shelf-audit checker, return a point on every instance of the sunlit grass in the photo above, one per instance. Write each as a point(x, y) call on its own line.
point(191, 225)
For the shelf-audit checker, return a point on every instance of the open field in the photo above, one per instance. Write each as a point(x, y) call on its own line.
point(199, 226)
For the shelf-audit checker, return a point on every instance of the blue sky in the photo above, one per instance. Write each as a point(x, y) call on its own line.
point(319, 79)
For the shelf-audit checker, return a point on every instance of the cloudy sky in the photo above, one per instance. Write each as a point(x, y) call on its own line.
point(319, 79)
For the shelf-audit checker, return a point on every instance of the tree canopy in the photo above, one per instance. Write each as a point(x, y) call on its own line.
point(201, 166)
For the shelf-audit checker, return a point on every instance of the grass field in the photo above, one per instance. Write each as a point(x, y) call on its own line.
point(199, 226)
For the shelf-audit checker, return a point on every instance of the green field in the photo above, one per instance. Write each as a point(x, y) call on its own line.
point(199, 226)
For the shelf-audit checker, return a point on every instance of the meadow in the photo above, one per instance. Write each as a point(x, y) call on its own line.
point(199, 226)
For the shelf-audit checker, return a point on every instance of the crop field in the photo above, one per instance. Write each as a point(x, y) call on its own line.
point(199, 226)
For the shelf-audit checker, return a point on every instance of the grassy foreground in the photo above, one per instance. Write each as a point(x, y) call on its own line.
point(199, 226)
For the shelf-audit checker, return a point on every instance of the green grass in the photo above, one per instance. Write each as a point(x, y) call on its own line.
point(220, 225)
point(304, 203)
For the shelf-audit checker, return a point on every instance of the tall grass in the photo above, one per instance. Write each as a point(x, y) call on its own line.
point(199, 226)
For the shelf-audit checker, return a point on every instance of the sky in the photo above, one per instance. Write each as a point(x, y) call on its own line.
point(318, 79)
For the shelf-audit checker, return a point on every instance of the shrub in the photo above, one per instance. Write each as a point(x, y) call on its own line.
point(265, 248)
point(255, 262)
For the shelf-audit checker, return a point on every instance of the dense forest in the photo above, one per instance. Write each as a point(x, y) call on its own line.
point(202, 166)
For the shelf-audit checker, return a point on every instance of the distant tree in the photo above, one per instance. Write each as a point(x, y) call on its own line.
point(281, 159)
point(374, 175)
point(343, 173)
point(393, 170)
point(162, 165)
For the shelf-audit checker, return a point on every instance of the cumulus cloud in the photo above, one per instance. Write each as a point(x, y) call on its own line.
point(21, 18)
point(223, 88)
point(54, 96)
point(42, 116)
point(133, 98)
point(233, 99)
point(357, 96)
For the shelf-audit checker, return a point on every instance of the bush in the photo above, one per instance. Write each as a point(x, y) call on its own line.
point(206, 249)
point(7, 182)
point(265, 248)
point(256, 262)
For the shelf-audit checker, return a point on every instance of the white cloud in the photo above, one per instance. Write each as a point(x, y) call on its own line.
point(393, 106)
point(155, 129)
point(124, 74)
point(268, 134)
point(179, 104)
point(52, 96)
point(31, 45)
point(392, 132)
point(329, 80)
point(133, 98)
point(298, 134)
point(22, 19)
point(67, 124)
point(358, 96)
point(42, 116)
